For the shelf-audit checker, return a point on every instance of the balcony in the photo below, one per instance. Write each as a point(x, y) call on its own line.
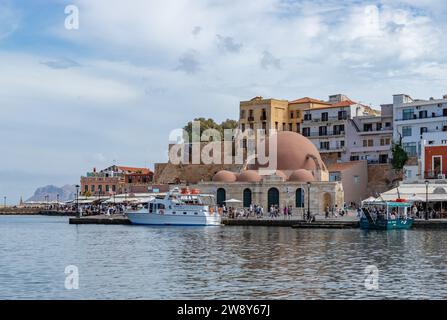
point(387, 130)
point(251, 118)
point(328, 134)
point(435, 174)
point(329, 119)
point(428, 118)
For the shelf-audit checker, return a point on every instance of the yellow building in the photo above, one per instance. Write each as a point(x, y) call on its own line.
point(281, 115)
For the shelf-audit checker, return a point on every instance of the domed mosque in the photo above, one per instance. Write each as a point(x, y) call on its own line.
point(283, 181)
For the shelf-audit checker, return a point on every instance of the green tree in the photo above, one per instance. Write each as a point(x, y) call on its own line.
point(210, 124)
point(400, 156)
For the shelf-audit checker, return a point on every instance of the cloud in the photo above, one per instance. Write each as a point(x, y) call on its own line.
point(268, 60)
point(228, 44)
point(9, 20)
point(61, 64)
point(188, 62)
point(196, 30)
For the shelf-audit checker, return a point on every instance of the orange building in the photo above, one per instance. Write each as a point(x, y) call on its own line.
point(116, 180)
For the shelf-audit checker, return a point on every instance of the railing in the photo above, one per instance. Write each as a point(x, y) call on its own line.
point(328, 133)
point(336, 118)
point(435, 174)
point(415, 117)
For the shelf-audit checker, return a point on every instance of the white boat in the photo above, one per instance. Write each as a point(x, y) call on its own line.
point(178, 208)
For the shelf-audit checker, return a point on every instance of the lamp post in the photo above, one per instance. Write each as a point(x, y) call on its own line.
point(308, 201)
point(77, 201)
point(426, 199)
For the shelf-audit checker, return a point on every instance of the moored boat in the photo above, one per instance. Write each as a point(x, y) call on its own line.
point(183, 208)
point(386, 215)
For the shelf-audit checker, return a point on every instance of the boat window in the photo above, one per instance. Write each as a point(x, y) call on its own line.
point(195, 213)
point(184, 213)
point(151, 207)
point(161, 206)
point(173, 212)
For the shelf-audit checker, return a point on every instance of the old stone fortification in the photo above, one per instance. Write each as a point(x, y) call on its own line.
point(189, 173)
point(382, 177)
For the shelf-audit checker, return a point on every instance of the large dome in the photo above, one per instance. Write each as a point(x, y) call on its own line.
point(294, 152)
point(249, 176)
point(225, 176)
point(301, 175)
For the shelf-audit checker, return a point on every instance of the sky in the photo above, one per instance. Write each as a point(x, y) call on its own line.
point(112, 90)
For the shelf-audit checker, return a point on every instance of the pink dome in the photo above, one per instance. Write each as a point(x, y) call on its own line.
point(301, 175)
point(293, 150)
point(225, 176)
point(249, 176)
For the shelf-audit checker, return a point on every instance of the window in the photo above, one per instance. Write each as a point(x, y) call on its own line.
point(290, 127)
point(383, 158)
point(242, 114)
point(322, 131)
point(342, 143)
point(356, 179)
point(291, 114)
point(252, 126)
point(276, 125)
point(86, 188)
point(406, 131)
point(334, 176)
point(339, 129)
point(299, 198)
point(306, 132)
point(370, 143)
point(407, 114)
point(324, 116)
point(444, 112)
point(387, 124)
point(113, 188)
point(107, 188)
point(342, 115)
point(382, 141)
point(423, 114)
point(264, 115)
point(354, 158)
point(324, 145)
point(284, 126)
point(93, 188)
point(243, 127)
point(365, 143)
point(100, 188)
point(387, 141)
point(298, 127)
point(264, 126)
point(423, 130)
point(410, 148)
point(307, 117)
point(378, 126)
point(368, 127)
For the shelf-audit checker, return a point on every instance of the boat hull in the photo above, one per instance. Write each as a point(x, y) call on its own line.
point(173, 220)
point(393, 224)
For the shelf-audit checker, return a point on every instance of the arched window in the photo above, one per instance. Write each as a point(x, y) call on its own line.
point(221, 197)
point(273, 197)
point(299, 198)
point(247, 198)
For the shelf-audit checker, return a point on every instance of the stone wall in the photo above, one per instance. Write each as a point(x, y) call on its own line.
point(381, 178)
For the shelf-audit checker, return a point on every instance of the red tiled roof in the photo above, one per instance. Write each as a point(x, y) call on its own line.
point(308, 100)
point(345, 103)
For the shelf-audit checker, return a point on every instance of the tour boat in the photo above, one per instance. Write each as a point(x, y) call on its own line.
point(386, 215)
point(185, 208)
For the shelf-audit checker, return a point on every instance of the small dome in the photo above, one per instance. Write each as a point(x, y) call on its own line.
point(301, 175)
point(225, 176)
point(281, 174)
point(249, 176)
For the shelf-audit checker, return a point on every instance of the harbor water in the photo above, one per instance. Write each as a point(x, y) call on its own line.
point(138, 262)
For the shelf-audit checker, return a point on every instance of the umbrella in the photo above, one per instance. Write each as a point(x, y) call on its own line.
point(233, 201)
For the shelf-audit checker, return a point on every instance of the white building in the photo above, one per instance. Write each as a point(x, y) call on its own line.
point(413, 118)
point(332, 129)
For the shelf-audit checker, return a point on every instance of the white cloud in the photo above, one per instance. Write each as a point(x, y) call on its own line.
point(9, 20)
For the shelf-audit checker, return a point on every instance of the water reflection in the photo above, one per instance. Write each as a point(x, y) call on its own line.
point(217, 263)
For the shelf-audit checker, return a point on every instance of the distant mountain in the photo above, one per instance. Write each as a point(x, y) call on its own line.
point(67, 192)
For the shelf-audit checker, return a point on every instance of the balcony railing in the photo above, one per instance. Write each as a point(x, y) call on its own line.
point(328, 134)
point(435, 174)
point(416, 117)
point(334, 118)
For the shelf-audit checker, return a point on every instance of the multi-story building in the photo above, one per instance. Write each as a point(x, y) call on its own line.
point(370, 138)
point(328, 126)
point(413, 118)
point(116, 180)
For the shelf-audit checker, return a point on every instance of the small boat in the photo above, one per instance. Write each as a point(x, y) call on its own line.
point(386, 215)
point(185, 208)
